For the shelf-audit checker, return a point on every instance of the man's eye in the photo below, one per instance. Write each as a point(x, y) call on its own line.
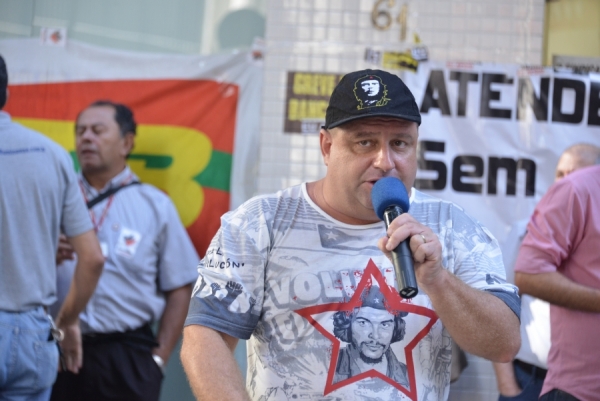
point(399, 144)
point(364, 143)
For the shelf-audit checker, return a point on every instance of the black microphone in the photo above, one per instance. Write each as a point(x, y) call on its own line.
point(390, 200)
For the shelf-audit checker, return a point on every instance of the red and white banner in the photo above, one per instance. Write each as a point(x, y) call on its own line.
point(198, 116)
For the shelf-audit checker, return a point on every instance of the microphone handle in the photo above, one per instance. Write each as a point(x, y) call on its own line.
point(402, 259)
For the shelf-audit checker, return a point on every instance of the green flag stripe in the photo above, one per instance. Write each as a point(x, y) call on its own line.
point(217, 174)
point(153, 161)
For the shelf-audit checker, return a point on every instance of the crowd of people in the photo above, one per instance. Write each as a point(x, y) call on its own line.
point(98, 273)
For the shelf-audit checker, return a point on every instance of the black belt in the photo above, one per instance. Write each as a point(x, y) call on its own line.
point(142, 336)
point(530, 369)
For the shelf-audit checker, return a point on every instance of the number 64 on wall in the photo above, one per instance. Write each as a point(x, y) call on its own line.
point(382, 17)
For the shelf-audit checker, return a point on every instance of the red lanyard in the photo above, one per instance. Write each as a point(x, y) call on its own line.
point(98, 224)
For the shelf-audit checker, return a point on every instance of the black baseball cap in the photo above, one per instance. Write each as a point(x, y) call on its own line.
point(370, 93)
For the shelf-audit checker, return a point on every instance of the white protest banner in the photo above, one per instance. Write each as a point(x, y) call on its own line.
point(492, 134)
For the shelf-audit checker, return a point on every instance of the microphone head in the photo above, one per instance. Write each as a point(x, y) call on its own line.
point(389, 191)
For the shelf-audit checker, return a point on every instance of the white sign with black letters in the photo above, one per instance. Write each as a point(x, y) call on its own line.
point(492, 134)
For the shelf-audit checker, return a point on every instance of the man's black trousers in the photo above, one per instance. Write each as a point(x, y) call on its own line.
point(112, 370)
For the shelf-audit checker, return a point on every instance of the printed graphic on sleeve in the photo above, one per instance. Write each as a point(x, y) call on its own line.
point(370, 337)
point(227, 296)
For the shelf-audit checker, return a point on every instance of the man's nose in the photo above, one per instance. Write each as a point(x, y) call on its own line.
point(86, 134)
point(374, 334)
point(384, 159)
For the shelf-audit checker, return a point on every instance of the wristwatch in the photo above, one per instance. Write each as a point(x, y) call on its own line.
point(160, 362)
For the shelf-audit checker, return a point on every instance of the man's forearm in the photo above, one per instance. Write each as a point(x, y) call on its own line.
point(479, 322)
point(87, 273)
point(171, 322)
point(559, 290)
point(207, 358)
point(81, 290)
point(506, 379)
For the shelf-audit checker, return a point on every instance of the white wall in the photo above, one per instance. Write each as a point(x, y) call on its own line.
point(332, 35)
point(178, 26)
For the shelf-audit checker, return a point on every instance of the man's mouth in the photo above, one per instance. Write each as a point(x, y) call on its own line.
point(374, 347)
point(86, 152)
point(373, 181)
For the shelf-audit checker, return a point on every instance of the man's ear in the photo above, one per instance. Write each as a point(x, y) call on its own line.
point(128, 143)
point(325, 142)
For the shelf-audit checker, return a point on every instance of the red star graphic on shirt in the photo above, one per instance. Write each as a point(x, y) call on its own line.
point(320, 316)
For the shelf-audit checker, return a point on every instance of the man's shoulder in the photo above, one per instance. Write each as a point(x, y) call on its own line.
point(17, 139)
point(154, 195)
point(295, 191)
point(265, 207)
point(427, 207)
point(291, 193)
point(19, 135)
point(144, 197)
point(422, 199)
point(583, 176)
point(591, 171)
point(151, 190)
point(579, 183)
